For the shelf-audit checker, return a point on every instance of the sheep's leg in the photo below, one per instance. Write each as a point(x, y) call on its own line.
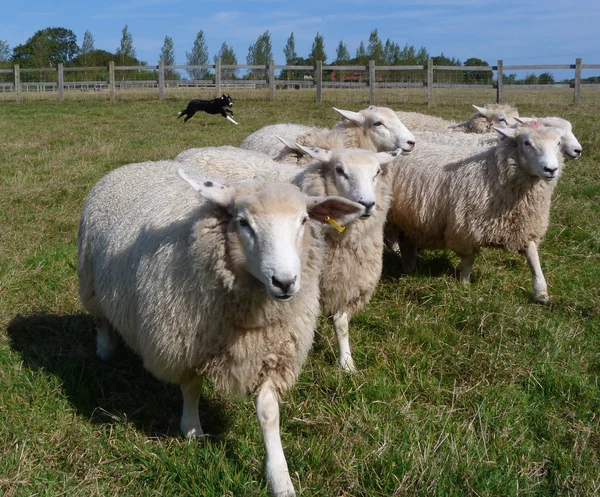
point(466, 266)
point(540, 290)
point(106, 341)
point(190, 419)
point(408, 252)
point(340, 324)
point(267, 412)
point(391, 238)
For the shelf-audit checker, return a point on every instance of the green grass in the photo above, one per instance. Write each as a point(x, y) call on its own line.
point(461, 391)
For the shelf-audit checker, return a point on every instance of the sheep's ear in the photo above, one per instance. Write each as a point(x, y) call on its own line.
point(290, 143)
point(387, 157)
point(320, 154)
point(510, 133)
point(210, 190)
point(355, 117)
point(339, 209)
point(531, 122)
point(561, 131)
point(481, 110)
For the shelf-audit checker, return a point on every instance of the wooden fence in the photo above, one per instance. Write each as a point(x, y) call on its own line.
point(364, 76)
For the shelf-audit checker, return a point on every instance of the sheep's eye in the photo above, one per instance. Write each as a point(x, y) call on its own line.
point(502, 120)
point(378, 123)
point(377, 173)
point(527, 142)
point(243, 223)
point(340, 171)
point(304, 220)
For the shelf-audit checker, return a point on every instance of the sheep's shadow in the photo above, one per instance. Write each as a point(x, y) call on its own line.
point(434, 265)
point(105, 392)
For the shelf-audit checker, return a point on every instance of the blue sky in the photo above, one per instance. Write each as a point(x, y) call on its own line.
point(517, 31)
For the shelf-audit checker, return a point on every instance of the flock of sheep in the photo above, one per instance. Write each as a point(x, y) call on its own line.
point(217, 264)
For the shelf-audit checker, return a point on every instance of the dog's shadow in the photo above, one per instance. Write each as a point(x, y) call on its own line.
point(105, 392)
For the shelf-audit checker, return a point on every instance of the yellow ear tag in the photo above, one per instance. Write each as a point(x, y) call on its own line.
point(335, 224)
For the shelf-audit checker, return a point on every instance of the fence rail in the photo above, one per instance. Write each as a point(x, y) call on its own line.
point(371, 76)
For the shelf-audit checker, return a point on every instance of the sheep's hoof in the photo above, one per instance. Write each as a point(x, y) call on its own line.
point(542, 298)
point(348, 365)
point(192, 433)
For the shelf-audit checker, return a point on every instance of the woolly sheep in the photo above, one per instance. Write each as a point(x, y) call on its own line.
point(353, 260)
point(499, 197)
point(570, 146)
point(483, 121)
point(223, 285)
point(374, 128)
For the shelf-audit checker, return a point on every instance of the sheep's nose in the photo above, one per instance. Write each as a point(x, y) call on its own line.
point(283, 285)
point(578, 151)
point(550, 170)
point(368, 208)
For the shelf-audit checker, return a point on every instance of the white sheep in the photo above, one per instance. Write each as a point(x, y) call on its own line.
point(483, 121)
point(222, 285)
point(374, 128)
point(570, 146)
point(498, 197)
point(353, 260)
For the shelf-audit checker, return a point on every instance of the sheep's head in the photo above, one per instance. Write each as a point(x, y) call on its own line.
point(382, 127)
point(352, 172)
point(539, 150)
point(570, 146)
point(497, 115)
point(266, 230)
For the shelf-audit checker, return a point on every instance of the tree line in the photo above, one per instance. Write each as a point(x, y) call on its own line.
point(51, 46)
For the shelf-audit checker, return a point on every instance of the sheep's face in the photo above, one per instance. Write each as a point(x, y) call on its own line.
point(356, 173)
point(267, 228)
point(570, 146)
point(498, 115)
point(382, 127)
point(539, 150)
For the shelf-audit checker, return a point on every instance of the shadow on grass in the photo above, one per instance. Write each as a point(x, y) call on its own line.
point(105, 392)
point(433, 265)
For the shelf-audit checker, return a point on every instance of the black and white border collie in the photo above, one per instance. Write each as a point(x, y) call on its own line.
point(215, 106)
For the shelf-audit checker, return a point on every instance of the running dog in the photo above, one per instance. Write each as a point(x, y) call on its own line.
point(215, 106)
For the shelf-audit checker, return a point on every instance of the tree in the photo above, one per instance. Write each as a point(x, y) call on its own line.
point(375, 47)
point(546, 78)
point(509, 79)
point(531, 79)
point(342, 55)
point(197, 57)
point(260, 53)
point(47, 48)
point(167, 55)
point(318, 50)
point(291, 57)
point(361, 54)
point(125, 50)
point(442, 60)
point(227, 57)
point(470, 76)
point(391, 53)
point(4, 51)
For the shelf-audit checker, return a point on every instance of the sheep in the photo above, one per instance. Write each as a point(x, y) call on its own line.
point(374, 128)
point(498, 197)
point(224, 285)
point(483, 121)
point(353, 260)
point(570, 146)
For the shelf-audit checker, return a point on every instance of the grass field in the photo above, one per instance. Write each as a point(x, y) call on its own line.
point(460, 392)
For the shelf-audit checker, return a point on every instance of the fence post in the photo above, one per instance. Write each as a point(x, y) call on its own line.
point(371, 82)
point(577, 81)
point(61, 83)
point(111, 80)
point(17, 82)
point(500, 76)
point(319, 80)
point(218, 77)
point(161, 80)
point(271, 80)
point(429, 81)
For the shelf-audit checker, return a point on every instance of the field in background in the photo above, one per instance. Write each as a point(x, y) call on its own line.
point(460, 391)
